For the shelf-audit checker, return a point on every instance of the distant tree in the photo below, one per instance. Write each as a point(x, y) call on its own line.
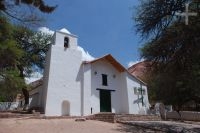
point(174, 49)
point(20, 50)
point(35, 44)
point(10, 54)
point(20, 47)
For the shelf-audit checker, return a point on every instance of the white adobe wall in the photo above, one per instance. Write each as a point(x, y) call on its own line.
point(64, 82)
point(103, 67)
point(124, 93)
point(86, 89)
point(134, 108)
point(43, 91)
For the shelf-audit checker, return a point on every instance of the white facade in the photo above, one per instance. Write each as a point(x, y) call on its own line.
point(75, 87)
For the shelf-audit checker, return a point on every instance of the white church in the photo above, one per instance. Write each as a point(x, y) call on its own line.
point(75, 86)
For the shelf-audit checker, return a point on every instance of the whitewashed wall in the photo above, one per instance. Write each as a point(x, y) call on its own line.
point(86, 89)
point(64, 83)
point(135, 108)
point(114, 83)
point(5, 106)
point(43, 91)
point(124, 94)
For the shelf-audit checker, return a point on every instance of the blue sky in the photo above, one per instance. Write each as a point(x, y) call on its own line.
point(102, 26)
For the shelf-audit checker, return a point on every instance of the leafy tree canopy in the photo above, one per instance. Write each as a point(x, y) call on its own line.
point(20, 47)
point(24, 10)
point(10, 54)
point(174, 49)
point(35, 45)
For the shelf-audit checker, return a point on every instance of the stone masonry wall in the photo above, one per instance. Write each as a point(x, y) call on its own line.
point(133, 117)
point(185, 115)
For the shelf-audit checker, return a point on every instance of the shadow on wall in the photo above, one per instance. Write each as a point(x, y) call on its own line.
point(65, 108)
point(33, 100)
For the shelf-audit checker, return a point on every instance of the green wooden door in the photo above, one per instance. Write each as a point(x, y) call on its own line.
point(105, 101)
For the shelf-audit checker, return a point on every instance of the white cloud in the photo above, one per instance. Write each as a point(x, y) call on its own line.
point(130, 63)
point(85, 55)
point(33, 77)
point(46, 30)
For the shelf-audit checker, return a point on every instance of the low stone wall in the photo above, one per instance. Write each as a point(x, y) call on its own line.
point(112, 117)
point(134, 117)
point(185, 115)
point(4, 106)
point(17, 115)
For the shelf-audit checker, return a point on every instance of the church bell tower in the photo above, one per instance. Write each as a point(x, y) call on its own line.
point(61, 84)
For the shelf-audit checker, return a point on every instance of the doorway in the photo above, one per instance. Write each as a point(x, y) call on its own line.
point(105, 101)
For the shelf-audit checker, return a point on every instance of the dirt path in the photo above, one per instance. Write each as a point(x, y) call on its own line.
point(23, 125)
point(165, 126)
point(56, 126)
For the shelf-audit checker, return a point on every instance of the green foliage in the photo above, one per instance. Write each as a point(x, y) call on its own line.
point(10, 54)
point(174, 51)
point(11, 84)
point(20, 47)
point(35, 45)
point(20, 10)
point(20, 50)
point(37, 4)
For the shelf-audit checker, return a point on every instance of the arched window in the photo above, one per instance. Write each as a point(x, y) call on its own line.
point(66, 42)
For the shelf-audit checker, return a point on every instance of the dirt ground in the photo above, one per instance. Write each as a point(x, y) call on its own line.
point(56, 126)
point(23, 125)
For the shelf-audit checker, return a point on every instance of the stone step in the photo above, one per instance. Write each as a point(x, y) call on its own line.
point(111, 117)
point(134, 117)
point(105, 116)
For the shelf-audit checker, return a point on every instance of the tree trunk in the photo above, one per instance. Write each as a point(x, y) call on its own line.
point(26, 98)
point(178, 108)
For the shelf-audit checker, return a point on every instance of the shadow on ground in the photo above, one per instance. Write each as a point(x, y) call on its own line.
point(137, 129)
point(156, 127)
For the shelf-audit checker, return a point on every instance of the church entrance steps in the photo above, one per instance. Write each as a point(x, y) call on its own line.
point(112, 117)
point(134, 117)
point(105, 116)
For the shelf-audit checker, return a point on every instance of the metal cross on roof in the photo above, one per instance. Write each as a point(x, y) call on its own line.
point(186, 14)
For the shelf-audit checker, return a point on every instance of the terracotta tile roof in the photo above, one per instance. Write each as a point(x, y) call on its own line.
point(139, 69)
